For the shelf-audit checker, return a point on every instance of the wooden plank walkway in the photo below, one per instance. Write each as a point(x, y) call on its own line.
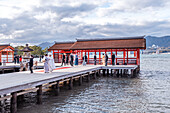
point(18, 83)
point(22, 80)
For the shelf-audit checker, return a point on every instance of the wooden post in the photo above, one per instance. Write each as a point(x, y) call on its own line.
point(88, 77)
point(57, 88)
point(39, 95)
point(95, 74)
point(99, 72)
point(132, 73)
point(65, 83)
point(104, 72)
point(107, 72)
point(80, 80)
point(117, 72)
point(2, 105)
point(121, 72)
point(71, 83)
point(14, 102)
point(74, 81)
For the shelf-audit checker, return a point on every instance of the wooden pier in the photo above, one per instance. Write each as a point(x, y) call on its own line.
point(13, 68)
point(20, 83)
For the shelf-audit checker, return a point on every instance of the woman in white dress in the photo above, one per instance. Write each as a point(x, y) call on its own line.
point(51, 63)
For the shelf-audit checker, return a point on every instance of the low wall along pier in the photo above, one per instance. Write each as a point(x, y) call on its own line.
point(14, 85)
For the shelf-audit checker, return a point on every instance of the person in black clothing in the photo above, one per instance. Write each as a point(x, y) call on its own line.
point(113, 59)
point(94, 59)
point(85, 58)
point(106, 59)
point(31, 63)
point(67, 59)
point(15, 60)
point(63, 59)
point(71, 59)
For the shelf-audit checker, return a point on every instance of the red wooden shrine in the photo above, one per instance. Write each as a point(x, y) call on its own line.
point(126, 49)
point(6, 53)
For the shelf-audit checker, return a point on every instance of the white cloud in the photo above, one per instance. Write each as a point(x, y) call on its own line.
point(36, 21)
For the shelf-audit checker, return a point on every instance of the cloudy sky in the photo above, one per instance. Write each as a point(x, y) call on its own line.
point(37, 21)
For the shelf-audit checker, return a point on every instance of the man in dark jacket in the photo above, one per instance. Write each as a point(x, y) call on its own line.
point(31, 63)
point(113, 59)
point(63, 59)
point(85, 58)
point(71, 59)
point(94, 59)
point(106, 59)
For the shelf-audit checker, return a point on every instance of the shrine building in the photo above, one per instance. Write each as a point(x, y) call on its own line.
point(126, 49)
point(6, 53)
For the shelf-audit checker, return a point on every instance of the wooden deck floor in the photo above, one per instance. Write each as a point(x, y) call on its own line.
point(17, 81)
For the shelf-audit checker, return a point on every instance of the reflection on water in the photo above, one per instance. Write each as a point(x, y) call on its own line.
point(149, 92)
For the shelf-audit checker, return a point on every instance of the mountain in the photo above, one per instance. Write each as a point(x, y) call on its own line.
point(160, 41)
point(45, 44)
point(150, 40)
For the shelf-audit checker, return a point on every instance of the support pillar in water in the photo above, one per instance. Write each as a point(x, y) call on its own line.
point(71, 83)
point(111, 72)
point(104, 72)
point(39, 94)
point(95, 74)
point(13, 108)
point(88, 77)
point(80, 80)
point(107, 72)
point(57, 88)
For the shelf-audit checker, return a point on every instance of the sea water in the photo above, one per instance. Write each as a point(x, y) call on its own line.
point(148, 92)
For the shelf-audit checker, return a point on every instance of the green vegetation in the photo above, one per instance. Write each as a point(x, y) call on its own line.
point(37, 50)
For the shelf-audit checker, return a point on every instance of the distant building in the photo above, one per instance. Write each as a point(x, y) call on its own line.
point(6, 53)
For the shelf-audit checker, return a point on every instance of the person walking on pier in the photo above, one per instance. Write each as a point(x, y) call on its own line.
point(63, 60)
point(84, 60)
point(51, 63)
point(71, 59)
point(106, 59)
point(20, 59)
point(45, 60)
point(103, 59)
point(31, 63)
point(67, 59)
point(94, 59)
point(113, 59)
point(76, 60)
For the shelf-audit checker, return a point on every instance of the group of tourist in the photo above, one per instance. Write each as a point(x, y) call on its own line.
point(49, 64)
point(66, 57)
point(17, 59)
point(105, 59)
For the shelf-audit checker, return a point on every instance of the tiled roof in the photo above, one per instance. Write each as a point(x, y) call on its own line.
point(3, 47)
point(111, 43)
point(61, 46)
